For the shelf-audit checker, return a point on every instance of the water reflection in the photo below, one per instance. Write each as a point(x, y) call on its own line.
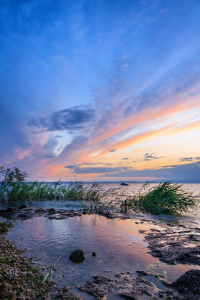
point(117, 243)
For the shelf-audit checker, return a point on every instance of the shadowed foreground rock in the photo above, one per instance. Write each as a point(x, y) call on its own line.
point(77, 256)
point(188, 283)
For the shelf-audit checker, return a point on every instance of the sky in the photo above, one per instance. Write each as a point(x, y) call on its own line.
point(100, 90)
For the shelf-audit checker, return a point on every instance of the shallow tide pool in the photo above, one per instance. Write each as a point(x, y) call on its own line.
point(118, 245)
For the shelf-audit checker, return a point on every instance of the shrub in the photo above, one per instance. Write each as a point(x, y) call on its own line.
point(166, 198)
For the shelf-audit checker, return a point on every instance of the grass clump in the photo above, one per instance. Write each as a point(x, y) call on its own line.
point(14, 188)
point(166, 198)
point(4, 227)
point(34, 191)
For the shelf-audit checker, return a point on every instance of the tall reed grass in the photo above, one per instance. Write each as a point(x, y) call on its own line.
point(36, 191)
point(165, 198)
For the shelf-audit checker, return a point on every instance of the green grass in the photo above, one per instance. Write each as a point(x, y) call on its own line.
point(92, 198)
point(26, 191)
point(4, 227)
point(166, 198)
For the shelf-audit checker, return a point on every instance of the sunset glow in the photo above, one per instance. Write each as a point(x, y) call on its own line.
point(101, 91)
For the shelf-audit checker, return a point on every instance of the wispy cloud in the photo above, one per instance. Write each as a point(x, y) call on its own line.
point(71, 119)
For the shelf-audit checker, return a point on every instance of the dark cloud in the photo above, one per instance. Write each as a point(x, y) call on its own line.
point(125, 158)
point(94, 170)
point(178, 173)
point(148, 156)
point(58, 136)
point(96, 163)
point(189, 158)
point(186, 159)
point(112, 150)
point(49, 156)
point(70, 167)
point(71, 119)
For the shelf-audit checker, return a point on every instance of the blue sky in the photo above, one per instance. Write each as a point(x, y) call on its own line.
point(86, 84)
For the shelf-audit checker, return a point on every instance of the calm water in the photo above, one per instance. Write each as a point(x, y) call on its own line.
point(118, 244)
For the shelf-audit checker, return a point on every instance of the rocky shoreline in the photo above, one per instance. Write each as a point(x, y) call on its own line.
point(19, 280)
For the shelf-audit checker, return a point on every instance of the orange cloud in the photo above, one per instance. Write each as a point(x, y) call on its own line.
point(186, 127)
point(150, 114)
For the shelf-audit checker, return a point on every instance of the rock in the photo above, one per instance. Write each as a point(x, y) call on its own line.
point(77, 256)
point(94, 254)
point(22, 216)
point(52, 210)
point(39, 210)
point(10, 209)
point(129, 294)
point(23, 206)
point(142, 273)
point(188, 282)
point(66, 294)
point(92, 289)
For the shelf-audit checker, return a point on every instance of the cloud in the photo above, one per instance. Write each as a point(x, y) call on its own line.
point(49, 156)
point(125, 158)
point(186, 159)
point(178, 173)
point(71, 119)
point(148, 156)
point(189, 158)
point(94, 170)
point(70, 167)
point(112, 150)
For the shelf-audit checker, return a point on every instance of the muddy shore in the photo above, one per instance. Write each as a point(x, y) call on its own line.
point(20, 280)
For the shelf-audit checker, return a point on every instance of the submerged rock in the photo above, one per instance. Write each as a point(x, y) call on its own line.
point(77, 256)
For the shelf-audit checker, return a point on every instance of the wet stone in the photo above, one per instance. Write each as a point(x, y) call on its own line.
point(188, 282)
point(10, 209)
point(23, 206)
point(52, 211)
point(77, 256)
